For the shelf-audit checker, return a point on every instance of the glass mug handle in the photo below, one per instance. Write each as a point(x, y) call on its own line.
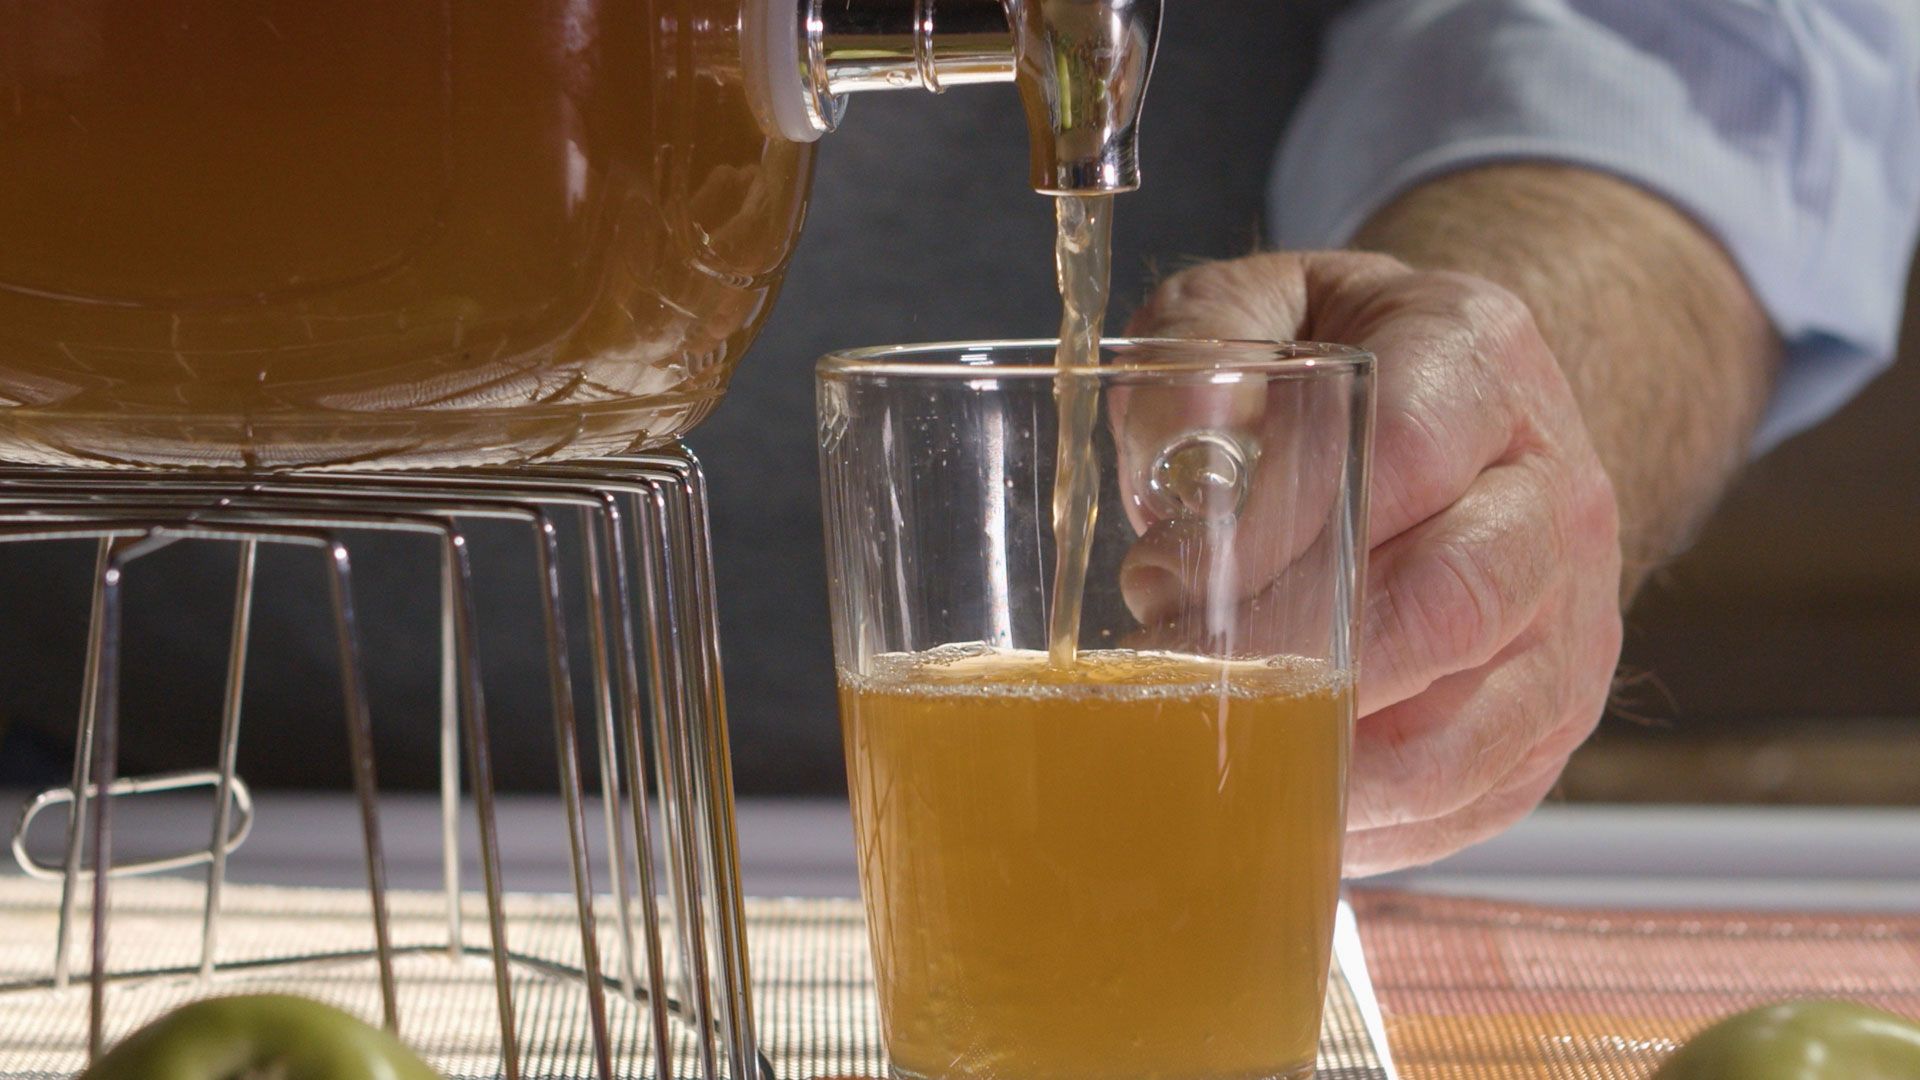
point(1202, 475)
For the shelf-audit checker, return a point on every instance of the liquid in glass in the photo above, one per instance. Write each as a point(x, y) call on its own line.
point(1125, 867)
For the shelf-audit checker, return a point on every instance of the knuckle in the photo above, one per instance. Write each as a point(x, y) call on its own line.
point(1593, 685)
point(1371, 798)
point(1505, 336)
point(1411, 464)
point(1332, 267)
point(1377, 850)
point(1612, 637)
point(1413, 441)
point(1497, 312)
point(1401, 781)
point(1498, 809)
point(1471, 829)
point(1519, 794)
point(1597, 512)
point(1428, 759)
point(1244, 297)
point(1224, 280)
point(1199, 283)
point(1506, 808)
point(1454, 604)
point(1580, 515)
point(1497, 743)
point(1581, 680)
point(1570, 727)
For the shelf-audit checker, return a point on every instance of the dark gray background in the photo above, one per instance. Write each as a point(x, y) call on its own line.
point(921, 229)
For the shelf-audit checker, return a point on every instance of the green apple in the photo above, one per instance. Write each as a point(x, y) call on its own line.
point(1801, 1040)
point(259, 1037)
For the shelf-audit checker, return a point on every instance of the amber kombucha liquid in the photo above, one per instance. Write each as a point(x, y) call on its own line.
point(1082, 258)
point(288, 232)
point(1126, 868)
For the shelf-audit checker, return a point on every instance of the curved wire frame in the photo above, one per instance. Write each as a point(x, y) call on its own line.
point(648, 583)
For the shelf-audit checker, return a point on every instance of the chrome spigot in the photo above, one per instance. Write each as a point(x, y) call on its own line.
point(1081, 67)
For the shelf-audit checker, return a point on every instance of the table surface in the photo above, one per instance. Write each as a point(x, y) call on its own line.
point(1643, 856)
point(1483, 1017)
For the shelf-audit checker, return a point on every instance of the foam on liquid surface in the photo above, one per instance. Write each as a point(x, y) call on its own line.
point(976, 669)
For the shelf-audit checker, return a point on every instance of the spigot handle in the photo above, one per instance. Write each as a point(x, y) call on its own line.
point(1081, 67)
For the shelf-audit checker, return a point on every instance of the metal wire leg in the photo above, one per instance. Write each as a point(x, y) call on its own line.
point(82, 766)
point(567, 746)
point(480, 766)
point(229, 750)
point(450, 756)
point(694, 786)
point(708, 779)
point(655, 560)
point(717, 797)
point(609, 746)
point(632, 748)
point(666, 654)
point(365, 786)
point(106, 700)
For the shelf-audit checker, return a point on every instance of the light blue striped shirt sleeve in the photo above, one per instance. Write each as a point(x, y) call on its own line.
point(1789, 128)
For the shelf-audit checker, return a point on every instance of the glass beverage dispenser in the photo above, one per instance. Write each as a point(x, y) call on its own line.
point(276, 234)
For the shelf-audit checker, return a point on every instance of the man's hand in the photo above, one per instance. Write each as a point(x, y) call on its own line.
point(1555, 321)
point(1492, 621)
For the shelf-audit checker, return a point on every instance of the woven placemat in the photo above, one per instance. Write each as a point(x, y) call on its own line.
point(813, 983)
point(1478, 990)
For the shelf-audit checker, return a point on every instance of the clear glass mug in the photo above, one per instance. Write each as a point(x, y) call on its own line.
point(1126, 863)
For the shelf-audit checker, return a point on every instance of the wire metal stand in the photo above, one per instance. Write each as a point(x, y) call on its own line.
point(651, 626)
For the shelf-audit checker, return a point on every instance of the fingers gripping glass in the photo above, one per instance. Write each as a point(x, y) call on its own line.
point(1127, 863)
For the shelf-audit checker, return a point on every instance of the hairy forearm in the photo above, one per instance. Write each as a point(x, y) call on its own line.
point(1668, 353)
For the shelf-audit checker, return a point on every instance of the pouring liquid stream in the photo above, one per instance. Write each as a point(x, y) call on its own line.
point(1082, 258)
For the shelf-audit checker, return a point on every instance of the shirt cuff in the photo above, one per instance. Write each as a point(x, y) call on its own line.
point(1789, 130)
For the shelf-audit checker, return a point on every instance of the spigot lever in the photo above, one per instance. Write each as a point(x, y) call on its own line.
point(1081, 67)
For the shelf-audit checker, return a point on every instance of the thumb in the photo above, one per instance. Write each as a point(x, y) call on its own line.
point(1256, 298)
point(1186, 554)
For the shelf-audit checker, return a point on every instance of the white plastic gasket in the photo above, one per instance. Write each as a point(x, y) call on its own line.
point(774, 62)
